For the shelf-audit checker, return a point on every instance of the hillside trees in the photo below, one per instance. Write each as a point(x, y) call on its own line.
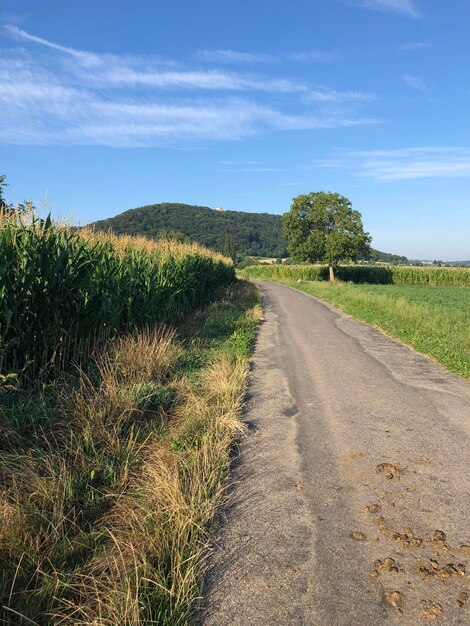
point(230, 248)
point(323, 227)
point(254, 234)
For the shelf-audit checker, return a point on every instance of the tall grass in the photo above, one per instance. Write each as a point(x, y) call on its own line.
point(105, 501)
point(62, 291)
point(432, 276)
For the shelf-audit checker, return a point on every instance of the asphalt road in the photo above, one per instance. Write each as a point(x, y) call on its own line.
point(351, 501)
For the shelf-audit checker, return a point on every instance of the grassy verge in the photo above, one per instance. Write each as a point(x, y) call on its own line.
point(110, 478)
point(433, 320)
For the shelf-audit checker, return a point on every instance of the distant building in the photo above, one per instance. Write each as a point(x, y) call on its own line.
point(219, 208)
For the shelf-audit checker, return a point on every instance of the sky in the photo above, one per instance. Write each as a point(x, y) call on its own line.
point(243, 104)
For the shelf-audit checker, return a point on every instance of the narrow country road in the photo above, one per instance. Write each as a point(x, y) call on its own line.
point(351, 504)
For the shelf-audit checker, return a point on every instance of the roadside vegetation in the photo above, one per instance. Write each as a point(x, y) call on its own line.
point(433, 320)
point(63, 291)
point(118, 410)
point(386, 275)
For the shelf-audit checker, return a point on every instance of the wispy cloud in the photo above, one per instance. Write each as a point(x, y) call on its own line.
point(256, 170)
point(135, 72)
point(416, 45)
point(331, 95)
point(403, 7)
point(87, 58)
point(405, 164)
point(236, 56)
point(315, 56)
point(65, 96)
point(414, 82)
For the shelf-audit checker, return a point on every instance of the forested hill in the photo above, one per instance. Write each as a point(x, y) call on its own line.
point(254, 234)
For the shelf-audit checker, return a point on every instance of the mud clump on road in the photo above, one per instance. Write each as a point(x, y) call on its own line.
point(389, 565)
point(465, 549)
point(450, 570)
point(372, 508)
point(438, 536)
point(391, 471)
point(438, 539)
point(430, 611)
point(461, 600)
point(393, 600)
point(407, 538)
point(358, 536)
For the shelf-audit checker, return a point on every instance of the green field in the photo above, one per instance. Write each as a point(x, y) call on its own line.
point(433, 320)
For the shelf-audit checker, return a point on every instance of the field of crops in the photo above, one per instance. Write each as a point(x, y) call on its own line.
point(63, 291)
point(372, 274)
point(116, 428)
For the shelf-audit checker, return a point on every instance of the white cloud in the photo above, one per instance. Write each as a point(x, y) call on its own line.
point(86, 58)
point(316, 56)
point(206, 80)
point(114, 71)
point(236, 56)
point(406, 163)
point(331, 95)
point(414, 82)
point(403, 7)
point(80, 97)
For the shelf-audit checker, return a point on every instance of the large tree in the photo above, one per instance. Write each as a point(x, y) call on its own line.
point(323, 227)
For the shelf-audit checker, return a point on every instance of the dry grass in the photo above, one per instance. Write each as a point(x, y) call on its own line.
point(105, 520)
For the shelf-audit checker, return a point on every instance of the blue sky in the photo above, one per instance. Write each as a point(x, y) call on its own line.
point(109, 105)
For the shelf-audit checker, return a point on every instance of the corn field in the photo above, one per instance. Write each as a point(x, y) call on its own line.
point(63, 290)
point(432, 276)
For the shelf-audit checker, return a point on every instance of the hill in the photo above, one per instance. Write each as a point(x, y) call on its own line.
point(254, 234)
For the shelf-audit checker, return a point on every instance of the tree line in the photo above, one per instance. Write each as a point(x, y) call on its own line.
point(236, 234)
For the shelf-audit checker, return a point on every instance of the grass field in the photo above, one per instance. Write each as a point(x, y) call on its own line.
point(433, 320)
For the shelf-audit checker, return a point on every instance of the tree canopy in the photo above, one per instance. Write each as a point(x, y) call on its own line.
point(323, 227)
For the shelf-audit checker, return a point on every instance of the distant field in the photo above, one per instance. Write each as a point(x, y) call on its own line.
point(377, 274)
point(433, 320)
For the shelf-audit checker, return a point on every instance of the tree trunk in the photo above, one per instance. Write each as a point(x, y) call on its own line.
point(332, 273)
